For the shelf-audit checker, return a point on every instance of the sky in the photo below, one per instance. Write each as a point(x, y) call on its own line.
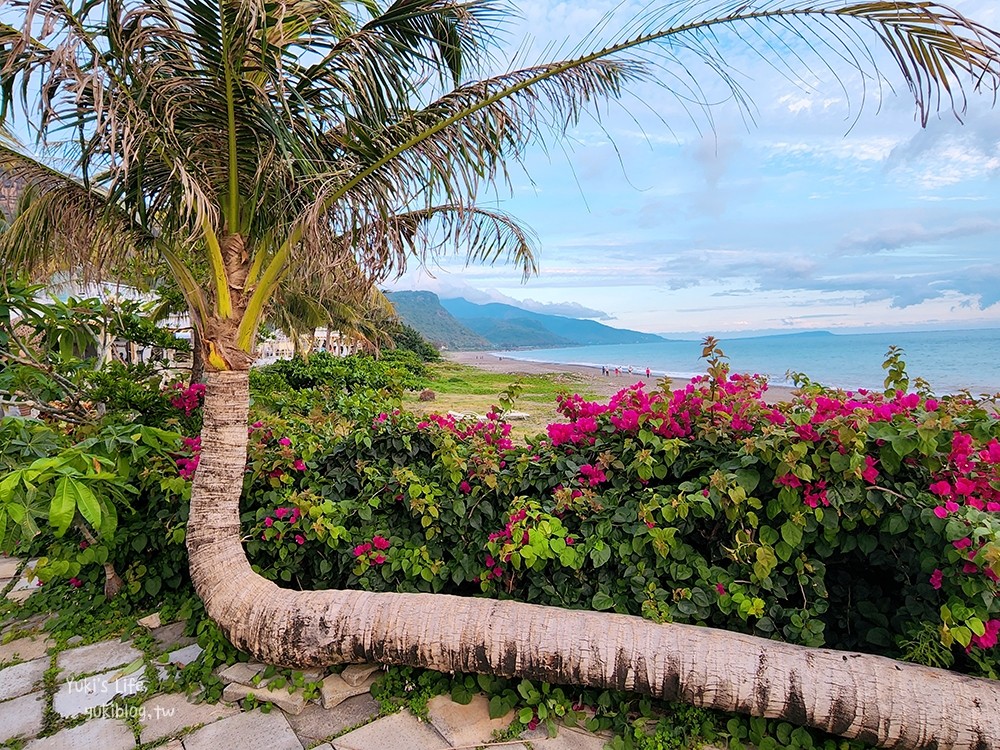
point(826, 206)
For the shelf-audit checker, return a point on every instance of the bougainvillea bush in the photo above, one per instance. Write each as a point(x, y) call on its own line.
point(861, 520)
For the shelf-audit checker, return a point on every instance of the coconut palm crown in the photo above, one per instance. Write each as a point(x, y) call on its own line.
point(239, 141)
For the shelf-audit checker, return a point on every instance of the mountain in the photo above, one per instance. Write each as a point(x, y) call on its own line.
point(423, 311)
point(460, 324)
point(511, 327)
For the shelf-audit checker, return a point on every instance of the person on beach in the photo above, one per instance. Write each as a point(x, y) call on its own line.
point(647, 373)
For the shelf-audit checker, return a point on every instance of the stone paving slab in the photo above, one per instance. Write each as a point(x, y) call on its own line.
point(292, 703)
point(241, 672)
point(166, 715)
point(29, 624)
point(97, 657)
point(400, 731)
point(20, 595)
point(254, 729)
point(567, 739)
point(465, 725)
point(22, 717)
point(26, 648)
point(8, 567)
point(171, 637)
point(316, 724)
point(26, 583)
point(336, 690)
point(22, 678)
point(355, 674)
point(90, 693)
point(184, 656)
point(106, 734)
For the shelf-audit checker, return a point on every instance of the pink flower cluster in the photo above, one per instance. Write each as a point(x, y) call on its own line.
point(733, 401)
point(186, 465)
point(289, 516)
point(815, 494)
point(866, 406)
point(971, 477)
point(187, 399)
point(260, 437)
point(989, 638)
point(592, 475)
point(508, 530)
point(371, 552)
point(492, 431)
point(384, 417)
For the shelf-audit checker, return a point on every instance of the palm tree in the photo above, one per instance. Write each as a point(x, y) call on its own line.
point(265, 137)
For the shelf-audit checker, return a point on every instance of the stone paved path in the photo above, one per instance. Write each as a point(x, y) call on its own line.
point(72, 699)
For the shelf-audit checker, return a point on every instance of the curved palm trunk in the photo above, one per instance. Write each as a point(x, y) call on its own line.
point(871, 698)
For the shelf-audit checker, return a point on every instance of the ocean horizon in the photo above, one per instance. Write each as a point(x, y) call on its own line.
point(951, 361)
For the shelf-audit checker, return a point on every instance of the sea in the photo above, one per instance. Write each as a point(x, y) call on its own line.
point(951, 361)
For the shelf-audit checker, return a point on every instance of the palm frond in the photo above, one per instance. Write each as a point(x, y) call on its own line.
point(59, 223)
point(491, 122)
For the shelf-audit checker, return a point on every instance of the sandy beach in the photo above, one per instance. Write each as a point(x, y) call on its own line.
point(604, 385)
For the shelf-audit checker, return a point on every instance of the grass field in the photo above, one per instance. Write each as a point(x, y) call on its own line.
point(465, 389)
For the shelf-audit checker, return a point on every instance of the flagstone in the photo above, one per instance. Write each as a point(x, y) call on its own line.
point(166, 715)
point(401, 731)
point(25, 649)
point(253, 729)
point(315, 723)
point(106, 734)
point(22, 717)
point(22, 678)
point(88, 694)
point(97, 657)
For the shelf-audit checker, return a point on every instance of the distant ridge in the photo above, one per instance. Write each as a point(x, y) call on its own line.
point(459, 324)
point(423, 311)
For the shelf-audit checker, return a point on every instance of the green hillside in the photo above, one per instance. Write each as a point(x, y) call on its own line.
point(423, 311)
point(458, 324)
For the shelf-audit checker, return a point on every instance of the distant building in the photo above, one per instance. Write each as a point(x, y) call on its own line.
point(10, 189)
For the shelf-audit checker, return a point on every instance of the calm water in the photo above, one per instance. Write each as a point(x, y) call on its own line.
point(949, 360)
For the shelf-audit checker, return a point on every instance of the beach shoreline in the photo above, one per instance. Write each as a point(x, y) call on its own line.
point(603, 385)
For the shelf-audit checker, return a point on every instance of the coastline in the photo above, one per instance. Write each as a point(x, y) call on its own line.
point(603, 385)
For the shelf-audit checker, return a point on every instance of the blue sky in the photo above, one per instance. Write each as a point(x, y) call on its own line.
point(820, 214)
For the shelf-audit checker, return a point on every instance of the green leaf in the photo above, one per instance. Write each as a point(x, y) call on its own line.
point(766, 560)
point(63, 505)
point(8, 485)
point(525, 715)
point(88, 505)
point(600, 555)
point(896, 524)
point(748, 479)
point(840, 461)
point(602, 601)
point(962, 635)
point(498, 707)
point(791, 532)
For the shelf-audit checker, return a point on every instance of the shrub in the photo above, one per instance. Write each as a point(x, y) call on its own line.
point(851, 520)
